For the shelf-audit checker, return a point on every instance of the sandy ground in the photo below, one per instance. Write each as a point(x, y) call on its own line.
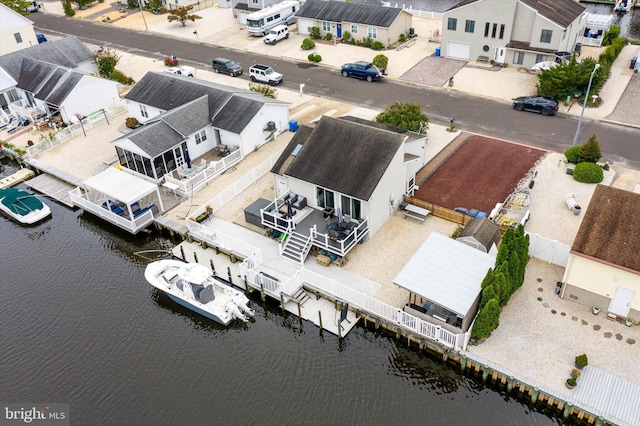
point(534, 337)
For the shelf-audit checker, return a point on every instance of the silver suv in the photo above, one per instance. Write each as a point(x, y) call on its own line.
point(265, 74)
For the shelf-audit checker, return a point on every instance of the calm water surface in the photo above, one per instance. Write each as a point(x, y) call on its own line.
point(80, 325)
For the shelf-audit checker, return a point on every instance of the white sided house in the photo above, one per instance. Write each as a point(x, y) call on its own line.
point(603, 269)
point(517, 32)
point(16, 31)
point(344, 179)
point(53, 78)
point(379, 23)
point(182, 119)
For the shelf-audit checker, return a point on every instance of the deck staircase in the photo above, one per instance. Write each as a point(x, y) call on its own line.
point(296, 247)
point(301, 296)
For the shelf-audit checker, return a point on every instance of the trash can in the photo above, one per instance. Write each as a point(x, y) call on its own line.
point(437, 52)
point(293, 125)
point(633, 62)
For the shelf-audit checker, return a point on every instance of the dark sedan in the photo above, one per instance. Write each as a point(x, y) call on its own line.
point(545, 105)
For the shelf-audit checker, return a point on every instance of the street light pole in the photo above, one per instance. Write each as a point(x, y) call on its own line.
point(584, 104)
point(142, 13)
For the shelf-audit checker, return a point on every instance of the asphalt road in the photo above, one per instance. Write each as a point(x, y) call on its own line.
point(619, 144)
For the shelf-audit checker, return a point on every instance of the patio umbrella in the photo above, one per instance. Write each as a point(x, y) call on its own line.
point(340, 215)
point(289, 209)
point(187, 159)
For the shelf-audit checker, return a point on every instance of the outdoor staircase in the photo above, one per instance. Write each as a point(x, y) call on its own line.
point(296, 247)
point(301, 296)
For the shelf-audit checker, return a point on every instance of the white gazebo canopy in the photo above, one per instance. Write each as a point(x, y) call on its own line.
point(121, 186)
point(446, 272)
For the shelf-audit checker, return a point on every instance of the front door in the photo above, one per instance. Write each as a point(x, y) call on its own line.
point(282, 188)
point(501, 53)
point(177, 153)
point(338, 30)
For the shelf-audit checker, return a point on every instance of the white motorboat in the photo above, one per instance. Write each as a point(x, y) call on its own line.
point(623, 6)
point(195, 287)
point(22, 206)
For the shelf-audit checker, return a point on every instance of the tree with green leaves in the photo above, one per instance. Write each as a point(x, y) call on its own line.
point(564, 80)
point(154, 6)
point(590, 151)
point(405, 116)
point(502, 282)
point(68, 8)
point(106, 59)
point(19, 6)
point(488, 319)
point(82, 3)
point(182, 15)
point(487, 294)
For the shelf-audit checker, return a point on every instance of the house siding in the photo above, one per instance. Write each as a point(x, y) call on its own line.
point(391, 185)
point(592, 281)
point(90, 95)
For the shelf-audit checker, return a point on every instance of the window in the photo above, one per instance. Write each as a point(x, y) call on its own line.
point(276, 16)
point(143, 111)
point(18, 37)
point(493, 31)
point(518, 58)
point(326, 26)
point(452, 23)
point(354, 29)
point(351, 207)
point(324, 198)
point(541, 58)
point(254, 1)
point(486, 29)
point(501, 32)
point(469, 26)
point(372, 33)
point(270, 18)
point(545, 37)
point(201, 137)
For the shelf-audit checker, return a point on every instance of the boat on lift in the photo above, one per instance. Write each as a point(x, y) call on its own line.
point(23, 206)
point(623, 6)
point(197, 288)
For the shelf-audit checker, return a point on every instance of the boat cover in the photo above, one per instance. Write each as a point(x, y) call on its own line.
point(20, 202)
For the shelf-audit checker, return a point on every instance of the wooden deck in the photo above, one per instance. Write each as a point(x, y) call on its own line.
point(52, 187)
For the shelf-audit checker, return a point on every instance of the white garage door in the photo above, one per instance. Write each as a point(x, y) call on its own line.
point(458, 50)
point(304, 25)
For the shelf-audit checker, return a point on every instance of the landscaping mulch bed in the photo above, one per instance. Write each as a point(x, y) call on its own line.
point(479, 174)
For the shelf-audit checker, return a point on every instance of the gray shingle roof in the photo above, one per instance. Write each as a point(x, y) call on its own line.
point(34, 73)
point(230, 108)
point(562, 12)
point(188, 118)
point(155, 138)
point(68, 52)
point(335, 11)
point(482, 230)
point(58, 86)
point(342, 156)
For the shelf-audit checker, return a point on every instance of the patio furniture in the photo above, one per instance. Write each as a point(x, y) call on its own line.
point(300, 203)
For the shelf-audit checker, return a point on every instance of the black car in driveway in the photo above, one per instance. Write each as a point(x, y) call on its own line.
point(545, 105)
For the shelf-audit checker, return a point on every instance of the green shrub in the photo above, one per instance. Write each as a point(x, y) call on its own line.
point(588, 172)
point(581, 361)
point(380, 61)
point(121, 78)
point(314, 32)
point(402, 38)
point(264, 89)
point(590, 151)
point(308, 44)
point(488, 319)
point(346, 36)
point(573, 154)
point(367, 42)
point(314, 57)
point(611, 34)
point(131, 122)
point(376, 45)
point(68, 8)
point(106, 60)
point(610, 54)
point(328, 36)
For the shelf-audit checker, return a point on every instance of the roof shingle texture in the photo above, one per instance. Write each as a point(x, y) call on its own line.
point(610, 229)
point(335, 11)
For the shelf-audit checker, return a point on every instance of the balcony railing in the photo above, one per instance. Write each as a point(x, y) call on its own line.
point(201, 178)
point(340, 247)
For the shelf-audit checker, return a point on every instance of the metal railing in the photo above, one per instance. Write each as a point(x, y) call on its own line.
point(202, 177)
point(59, 135)
point(340, 247)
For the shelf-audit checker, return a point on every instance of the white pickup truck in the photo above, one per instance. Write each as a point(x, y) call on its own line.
point(182, 70)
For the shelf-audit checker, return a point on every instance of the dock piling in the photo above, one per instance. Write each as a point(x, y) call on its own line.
point(567, 410)
point(320, 317)
point(195, 256)
point(182, 253)
point(534, 396)
point(229, 274)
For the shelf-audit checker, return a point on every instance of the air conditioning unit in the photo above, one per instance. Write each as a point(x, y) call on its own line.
point(271, 126)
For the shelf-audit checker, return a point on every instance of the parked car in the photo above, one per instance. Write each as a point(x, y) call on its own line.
point(182, 70)
point(265, 74)
point(32, 7)
point(545, 105)
point(226, 66)
point(364, 70)
point(276, 34)
point(41, 38)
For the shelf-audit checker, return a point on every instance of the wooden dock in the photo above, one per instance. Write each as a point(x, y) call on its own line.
point(19, 176)
point(52, 187)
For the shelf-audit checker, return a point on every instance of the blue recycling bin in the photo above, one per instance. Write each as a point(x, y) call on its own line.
point(293, 125)
point(437, 52)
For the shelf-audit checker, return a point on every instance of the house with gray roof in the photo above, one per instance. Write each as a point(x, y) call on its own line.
point(51, 78)
point(184, 118)
point(345, 177)
point(379, 23)
point(16, 31)
point(517, 32)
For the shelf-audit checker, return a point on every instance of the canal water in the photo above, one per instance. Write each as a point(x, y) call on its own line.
point(80, 325)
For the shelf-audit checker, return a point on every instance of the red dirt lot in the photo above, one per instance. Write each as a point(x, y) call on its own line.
point(479, 174)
